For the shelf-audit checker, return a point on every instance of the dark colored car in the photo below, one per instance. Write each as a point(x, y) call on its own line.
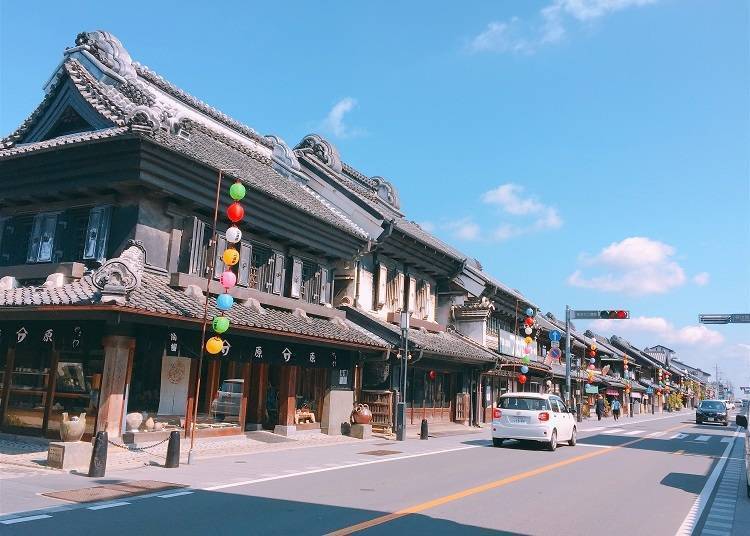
point(711, 411)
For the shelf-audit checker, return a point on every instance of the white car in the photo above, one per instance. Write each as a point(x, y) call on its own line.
point(533, 417)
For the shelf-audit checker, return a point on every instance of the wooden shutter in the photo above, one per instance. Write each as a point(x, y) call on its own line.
point(219, 247)
point(400, 280)
point(243, 269)
point(42, 239)
point(296, 277)
point(197, 260)
point(427, 300)
point(97, 232)
point(278, 273)
point(6, 240)
point(382, 284)
point(324, 284)
point(412, 295)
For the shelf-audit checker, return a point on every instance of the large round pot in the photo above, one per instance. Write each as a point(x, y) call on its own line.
point(72, 429)
point(133, 421)
point(361, 414)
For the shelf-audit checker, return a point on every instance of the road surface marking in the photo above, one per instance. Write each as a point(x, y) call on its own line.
point(703, 438)
point(336, 468)
point(696, 511)
point(108, 505)
point(178, 494)
point(678, 436)
point(23, 519)
point(417, 508)
point(655, 434)
point(614, 431)
point(595, 446)
point(593, 429)
point(633, 432)
point(727, 439)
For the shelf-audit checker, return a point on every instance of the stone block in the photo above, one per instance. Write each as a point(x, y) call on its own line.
point(361, 431)
point(253, 427)
point(280, 429)
point(69, 455)
point(337, 408)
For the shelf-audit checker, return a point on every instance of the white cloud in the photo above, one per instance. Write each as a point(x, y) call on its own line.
point(636, 265)
point(334, 121)
point(548, 27)
point(702, 279)
point(463, 229)
point(661, 331)
point(508, 197)
point(512, 200)
point(427, 226)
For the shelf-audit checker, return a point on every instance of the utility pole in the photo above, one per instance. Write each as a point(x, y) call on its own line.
point(568, 397)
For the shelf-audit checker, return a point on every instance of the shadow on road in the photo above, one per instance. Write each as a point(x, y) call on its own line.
point(685, 481)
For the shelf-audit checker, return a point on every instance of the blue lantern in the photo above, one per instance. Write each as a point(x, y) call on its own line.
point(524, 369)
point(224, 302)
point(529, 312)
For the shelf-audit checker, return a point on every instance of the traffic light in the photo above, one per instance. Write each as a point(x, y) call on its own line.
point(614, 315)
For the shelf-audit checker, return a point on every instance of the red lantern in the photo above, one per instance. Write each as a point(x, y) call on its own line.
point(521, 379)
point(529, 321)
point(432, 374)
point(592, 353)
point(235, 212)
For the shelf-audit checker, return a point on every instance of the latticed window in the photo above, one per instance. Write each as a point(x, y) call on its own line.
point(394, 291)
point(424, 300)
point(496, 323)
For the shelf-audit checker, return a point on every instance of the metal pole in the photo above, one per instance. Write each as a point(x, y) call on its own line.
point(211, 269)
point(568, 397)
point(401, 431)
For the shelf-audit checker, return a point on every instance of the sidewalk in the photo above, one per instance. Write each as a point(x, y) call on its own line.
point(592, 424)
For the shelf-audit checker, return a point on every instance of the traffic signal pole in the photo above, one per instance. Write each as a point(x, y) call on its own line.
point(568, 392)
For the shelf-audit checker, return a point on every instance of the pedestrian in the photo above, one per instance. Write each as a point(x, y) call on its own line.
point(599, 407)
point(616, 408)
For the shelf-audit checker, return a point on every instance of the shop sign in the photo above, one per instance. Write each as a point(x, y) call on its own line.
point(649, 391)
point(591, 390)
point(635, 395)
point(173, 344)
point(613, 392)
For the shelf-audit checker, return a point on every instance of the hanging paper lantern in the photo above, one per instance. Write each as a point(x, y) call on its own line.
point(220, 324)
point(605, 369)
point(529, 321)
point(592, 353)
point(524, 369)
point(235, 212)
point(593, 347)
point(237, 191)
point(591, 367)
point(528, 340)
point(527, 350)
point(234, 235)
point(529, 312)
point(231, 257)
point(214, 345)
point(526, 360)
point(224, 302)
point(592, 360)
point(228, 279)
point(432, 374)
point(521, 379)
point(528, 331)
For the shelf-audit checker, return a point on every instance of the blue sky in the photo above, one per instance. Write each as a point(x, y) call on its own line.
point(590, 152)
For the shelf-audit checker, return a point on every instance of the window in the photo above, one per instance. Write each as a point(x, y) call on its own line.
point(496, 323)
point(42, 239)
point(524, 403)
point(97, 232)
point(423, 300)
point(394, 291)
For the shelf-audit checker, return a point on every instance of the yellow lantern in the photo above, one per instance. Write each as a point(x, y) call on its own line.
point(528, 340)
point(231, 257)
point(214, 345)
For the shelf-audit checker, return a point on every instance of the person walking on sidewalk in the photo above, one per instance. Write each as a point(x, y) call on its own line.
point(616, 408)
point(599, 407)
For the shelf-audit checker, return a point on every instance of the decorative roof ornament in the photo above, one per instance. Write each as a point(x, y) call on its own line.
point(323, 150)
point(119, 276)
point(282, 153)
point(109, 50)
point(386, 191)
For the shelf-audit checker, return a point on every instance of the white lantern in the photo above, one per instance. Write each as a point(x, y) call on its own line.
point(234, 235)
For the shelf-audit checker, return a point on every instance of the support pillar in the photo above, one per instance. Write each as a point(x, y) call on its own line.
point(256, 411)
point(212, 384)
point(245, 394)
point(118, 360)
point(287, 401)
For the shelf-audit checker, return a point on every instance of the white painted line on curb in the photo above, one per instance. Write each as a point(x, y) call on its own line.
point(108, 505)
point(178, 494)
point(691, 519)
point(358, 464)
point(23, 519)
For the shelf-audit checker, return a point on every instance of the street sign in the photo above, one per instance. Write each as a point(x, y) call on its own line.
point(555, 335)
point(738, 318)
point(583, 315)
point(649, 391)
point(608, 314)
point(555, 353)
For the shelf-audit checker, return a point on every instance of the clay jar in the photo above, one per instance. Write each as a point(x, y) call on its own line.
point(133, 421)
point(72, 430)
point(149, 424)
point(361, 414)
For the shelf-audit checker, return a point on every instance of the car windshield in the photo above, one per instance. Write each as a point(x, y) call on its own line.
point(524, 403)
point(712, 405)
point(231, 387)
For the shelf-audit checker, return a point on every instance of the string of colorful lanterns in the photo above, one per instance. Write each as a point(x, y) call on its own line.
point(626, 375)
point(592, 361)
point(228, 279)
point(527, 349)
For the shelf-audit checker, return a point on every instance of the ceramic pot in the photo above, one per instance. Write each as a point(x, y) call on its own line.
point(361, 414)
point(149, 424)
point(133, 421)
point(72, 429)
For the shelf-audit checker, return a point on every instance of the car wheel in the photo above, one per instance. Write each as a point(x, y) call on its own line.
point(572, 441)
point(698, 421)
point(497, 442)
point(552, 445)
point(725, 423)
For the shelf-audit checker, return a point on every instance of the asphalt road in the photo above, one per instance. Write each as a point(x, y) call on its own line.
point(634, 478)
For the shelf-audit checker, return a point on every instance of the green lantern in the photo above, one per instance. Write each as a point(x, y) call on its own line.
point(220, 324)
point(237, 191)
point(526, 360)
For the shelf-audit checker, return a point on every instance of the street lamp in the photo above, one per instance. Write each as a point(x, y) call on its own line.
point(401, 408)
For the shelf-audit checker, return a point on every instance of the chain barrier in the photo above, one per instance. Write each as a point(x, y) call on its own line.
point(136, 449)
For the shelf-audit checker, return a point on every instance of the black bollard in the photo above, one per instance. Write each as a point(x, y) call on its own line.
point(423, 430)
point(173, 450)
point(98, 464)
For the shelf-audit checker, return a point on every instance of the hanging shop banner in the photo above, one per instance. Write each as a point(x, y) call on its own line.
point(175, 380)
point(591, 390)
point(63, 336)
point(635, 395)
point(172, 347)
point(613, 392)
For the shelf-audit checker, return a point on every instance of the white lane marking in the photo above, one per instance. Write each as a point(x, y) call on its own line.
point(727, 440)
point(633, 432)
point(614, 431)
point(656, 434)
point(593, 429)
point(326, 469)
point(177, 494)
point(108, 505)
point(678, 436)
point(703, 438)
point(23, 519)
point(595, 446)
point(692, 517)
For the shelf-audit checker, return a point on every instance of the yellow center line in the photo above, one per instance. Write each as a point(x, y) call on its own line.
point(483, 487)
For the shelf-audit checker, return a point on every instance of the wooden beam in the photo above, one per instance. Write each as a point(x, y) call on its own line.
point(245, 394)
point(258, 393)
point(288, 395)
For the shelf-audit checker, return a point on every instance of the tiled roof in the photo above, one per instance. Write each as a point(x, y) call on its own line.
point(69, 139)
